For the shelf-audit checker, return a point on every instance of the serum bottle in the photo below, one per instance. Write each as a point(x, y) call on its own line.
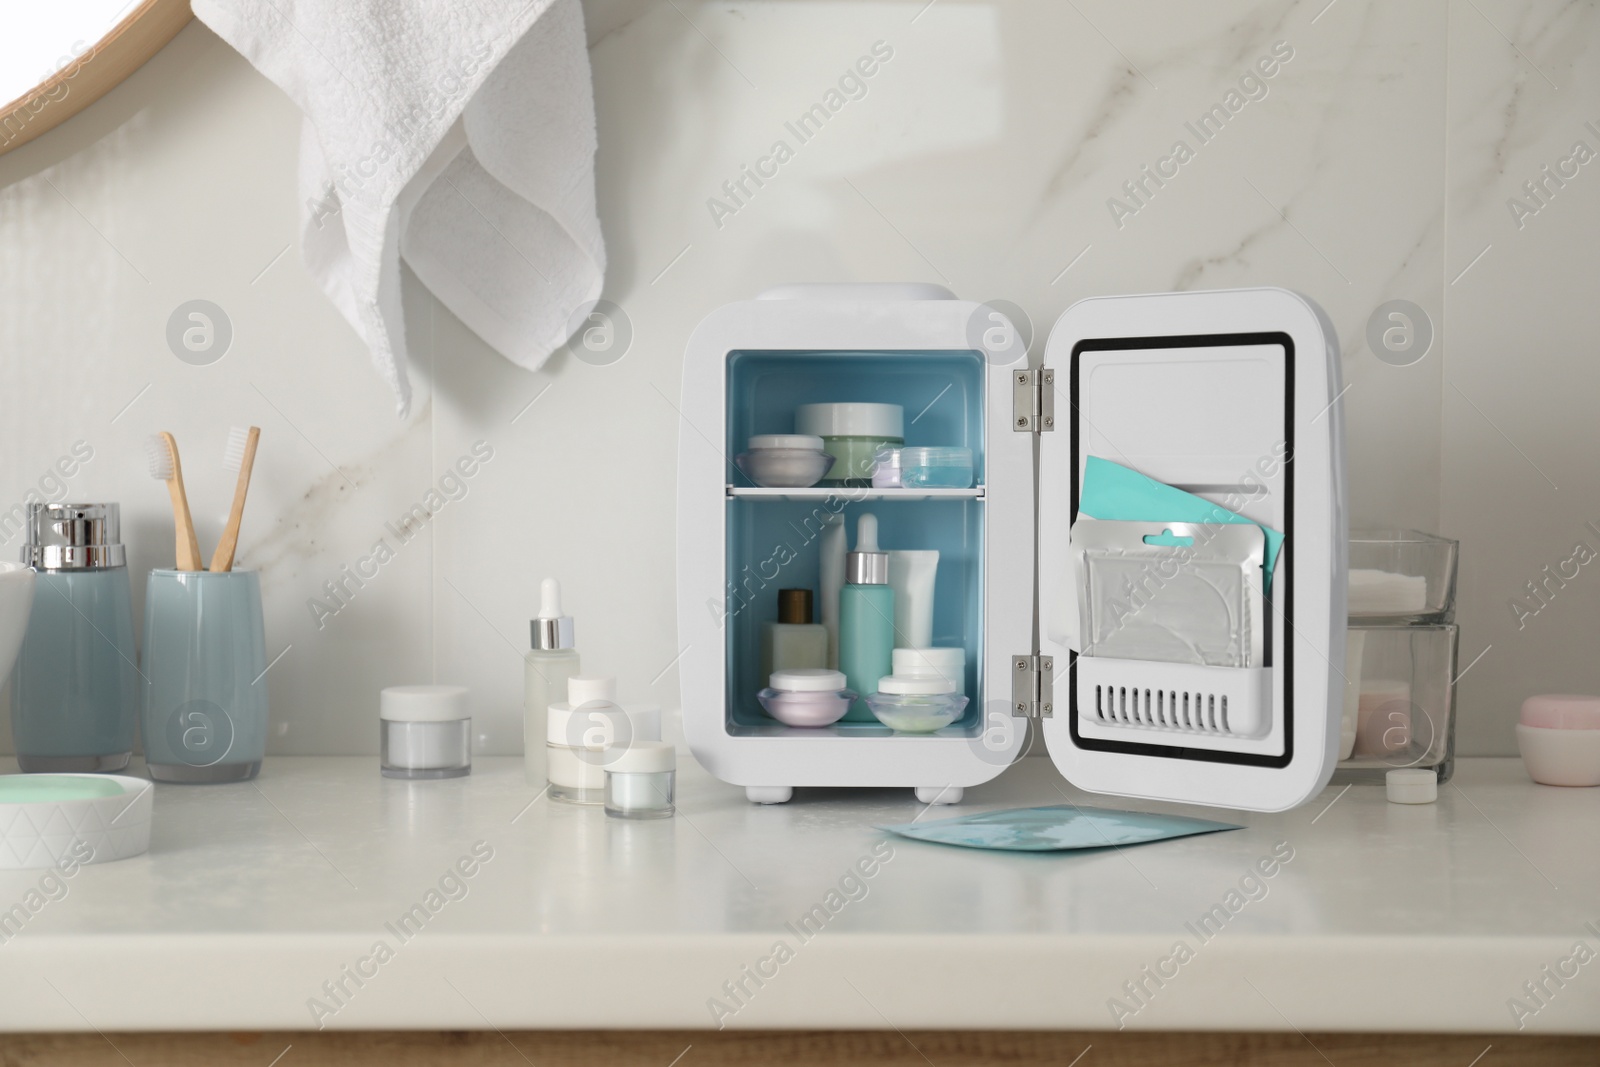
point(866, 619)
point(547, 666)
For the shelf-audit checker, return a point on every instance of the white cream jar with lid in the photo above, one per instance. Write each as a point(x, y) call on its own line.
point(579, 732)
point(425, 731)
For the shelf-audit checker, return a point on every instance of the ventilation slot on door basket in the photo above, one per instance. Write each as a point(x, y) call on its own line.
point(1174, 697)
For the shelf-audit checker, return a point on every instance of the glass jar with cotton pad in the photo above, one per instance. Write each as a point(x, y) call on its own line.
point(641, 781)
point(852, 433)
point(425, 731)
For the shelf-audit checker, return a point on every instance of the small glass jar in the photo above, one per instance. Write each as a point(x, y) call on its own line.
point(582, 731)
point(886, 468)
point(641, 781)
point(1401, 577)
point(936, 468)
point(425, 731)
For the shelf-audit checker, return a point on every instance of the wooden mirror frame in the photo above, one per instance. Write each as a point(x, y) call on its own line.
point(90, 76)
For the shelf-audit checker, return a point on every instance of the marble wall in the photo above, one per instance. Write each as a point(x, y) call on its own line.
point(1368, 155)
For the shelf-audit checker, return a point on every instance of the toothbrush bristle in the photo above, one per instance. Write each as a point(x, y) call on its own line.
point(233, 455)
point(158, 458)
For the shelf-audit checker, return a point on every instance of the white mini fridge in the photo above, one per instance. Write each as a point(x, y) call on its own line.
point(1229, 395)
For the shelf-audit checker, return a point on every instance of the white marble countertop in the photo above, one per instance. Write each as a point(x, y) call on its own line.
point(253, 896)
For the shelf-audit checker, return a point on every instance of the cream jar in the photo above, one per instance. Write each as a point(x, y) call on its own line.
point(580, 731)
point(806, 696)
point(424, 731)
point(641, 781)
point(916, 705)
point(1559, 737)
point(852, 435)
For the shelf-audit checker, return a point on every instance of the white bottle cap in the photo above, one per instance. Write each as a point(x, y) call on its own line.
point(807, 680)
point(643, 757)
point(551, 630)
point(423, 703)
point(901, 685)
point(585, 689)
point(1411, 785)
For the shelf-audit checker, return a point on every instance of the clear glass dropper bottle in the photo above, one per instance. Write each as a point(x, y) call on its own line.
point(547, 666)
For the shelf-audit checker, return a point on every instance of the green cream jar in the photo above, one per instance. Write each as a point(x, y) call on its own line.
point(851, 433)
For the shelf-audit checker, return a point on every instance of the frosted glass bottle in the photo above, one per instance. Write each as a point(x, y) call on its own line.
point(546, 668)
point(866, 619)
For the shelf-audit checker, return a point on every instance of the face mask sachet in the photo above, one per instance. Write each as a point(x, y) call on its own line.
point(1174, 592)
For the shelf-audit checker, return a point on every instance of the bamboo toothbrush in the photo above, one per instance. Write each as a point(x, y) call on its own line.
point(240, 456)
point(161, 454)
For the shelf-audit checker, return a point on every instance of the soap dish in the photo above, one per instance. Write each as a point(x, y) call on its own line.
point(50, 819)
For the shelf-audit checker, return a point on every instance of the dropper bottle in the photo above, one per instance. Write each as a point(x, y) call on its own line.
point(866, 619)
point(547, 666)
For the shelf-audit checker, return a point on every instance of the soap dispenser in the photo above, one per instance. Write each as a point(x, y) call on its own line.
point(76, 697)
point(866, 619)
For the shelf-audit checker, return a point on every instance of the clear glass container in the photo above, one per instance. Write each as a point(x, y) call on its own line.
point(426, 749)
point(1399, 707)
point(936, 468)
point(1402, 576)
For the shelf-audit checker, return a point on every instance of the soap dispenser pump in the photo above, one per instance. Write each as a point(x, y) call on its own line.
point(866, 619)
point(547, 666)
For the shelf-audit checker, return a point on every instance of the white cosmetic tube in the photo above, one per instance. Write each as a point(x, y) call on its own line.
point(911, 575)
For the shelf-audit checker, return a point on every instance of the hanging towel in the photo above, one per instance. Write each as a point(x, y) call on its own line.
point(460, 136)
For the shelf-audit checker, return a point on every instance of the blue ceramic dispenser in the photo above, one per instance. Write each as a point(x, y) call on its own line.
point(76, 698)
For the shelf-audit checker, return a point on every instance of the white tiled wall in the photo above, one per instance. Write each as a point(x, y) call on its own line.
point(1372, 165)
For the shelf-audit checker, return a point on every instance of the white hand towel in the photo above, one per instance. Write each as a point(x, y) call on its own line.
point(459, 135)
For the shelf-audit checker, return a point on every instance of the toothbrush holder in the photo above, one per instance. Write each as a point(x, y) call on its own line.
point(205, 660)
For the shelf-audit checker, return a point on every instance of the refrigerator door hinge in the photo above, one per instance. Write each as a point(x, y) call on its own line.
point(1033, 686)
point(1033, 400)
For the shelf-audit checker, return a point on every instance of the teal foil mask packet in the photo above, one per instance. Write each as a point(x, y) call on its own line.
point(1057, 828)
